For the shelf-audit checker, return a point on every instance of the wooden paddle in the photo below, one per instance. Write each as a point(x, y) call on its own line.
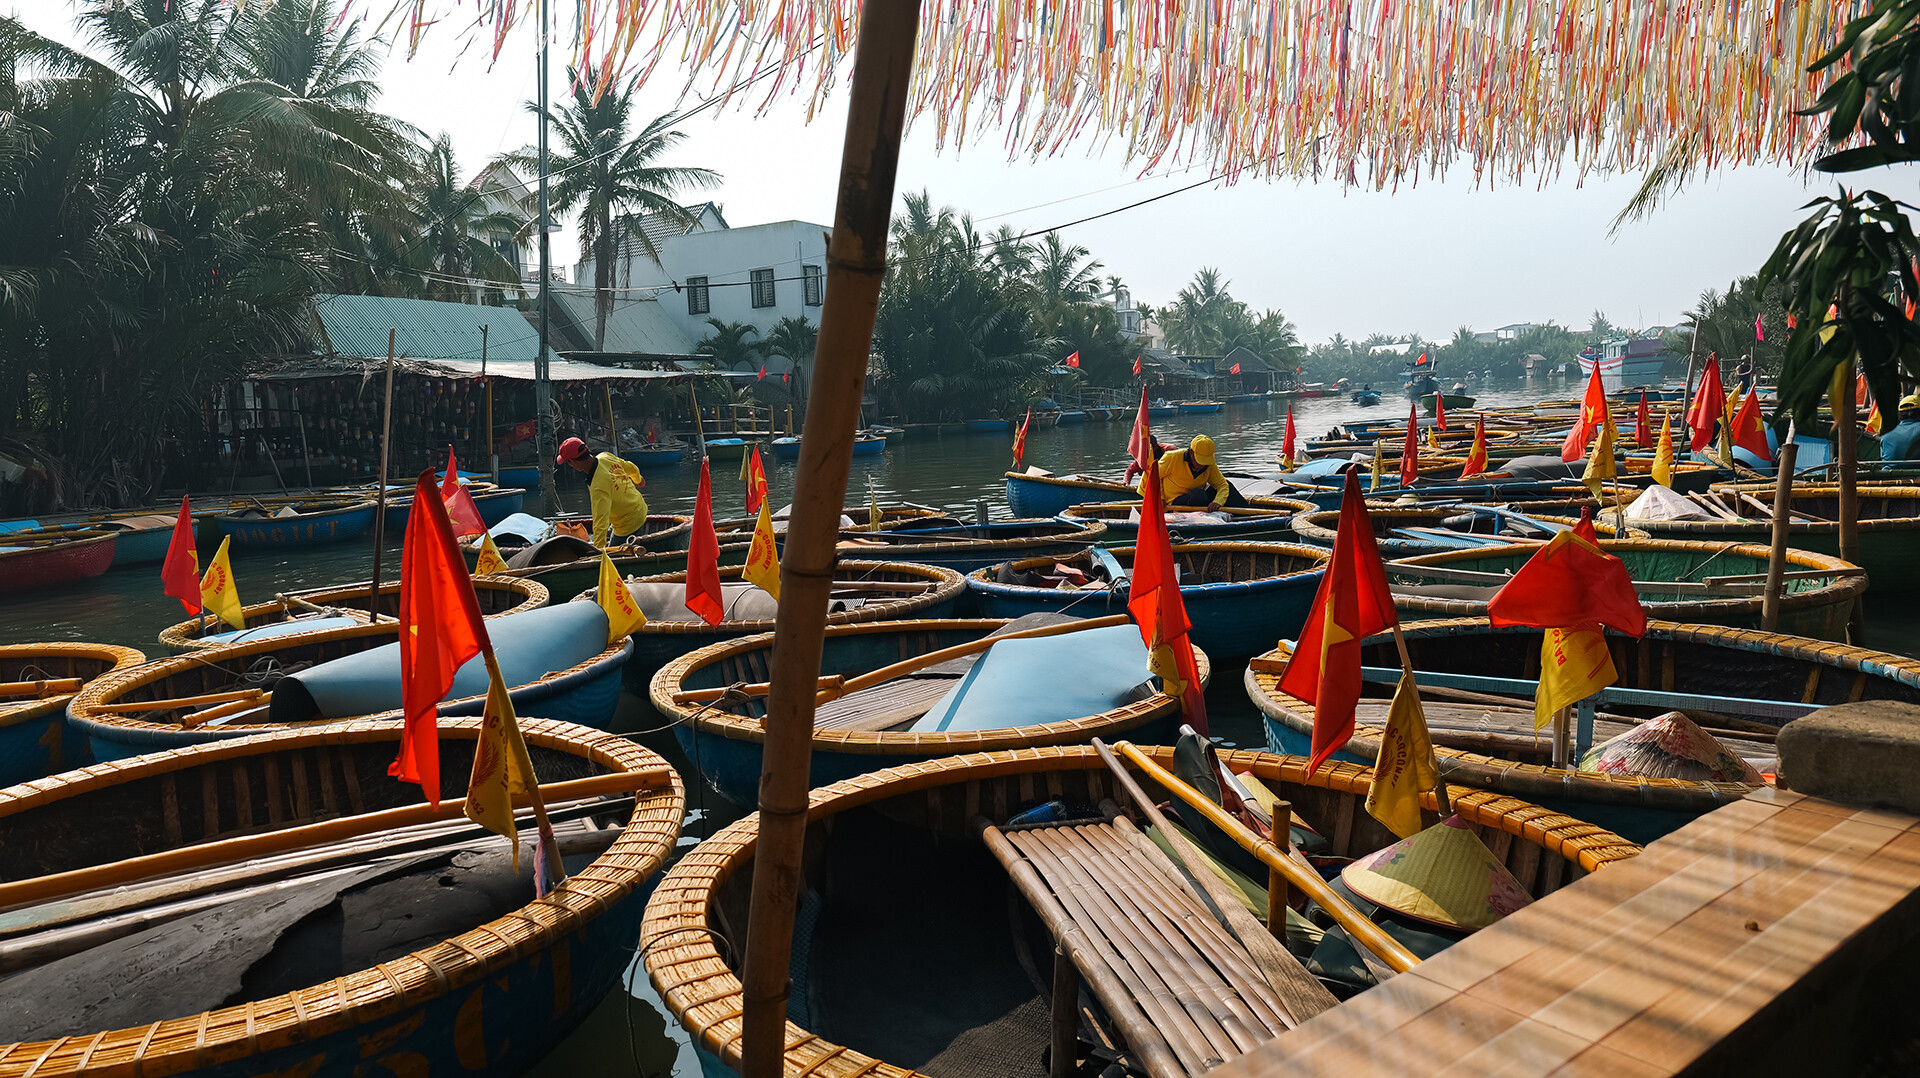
point(935, 658)
point(49, 687)
point(180, 703)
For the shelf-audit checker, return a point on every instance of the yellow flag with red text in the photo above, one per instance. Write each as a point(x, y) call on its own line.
point(489, 560)
point(1574, 664)
point(1663, 456)
point(501, 768)
point(623, 613)
point(763, 557)
point(1406, 767)
point(1600, 464)
point(218, 593)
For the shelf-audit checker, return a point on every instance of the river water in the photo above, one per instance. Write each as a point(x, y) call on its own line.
point(632, 1033)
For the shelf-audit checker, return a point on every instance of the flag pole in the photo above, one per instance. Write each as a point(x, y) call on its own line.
point(380, 494)
point(1782, 515)
point(1443, 803)
point(556, 870)
point(856, 267)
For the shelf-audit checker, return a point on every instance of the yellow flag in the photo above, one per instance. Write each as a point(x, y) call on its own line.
point(763, 558)
point(1600, 463)
point(218, 594)
point(501, 767)
point(1406, 767)
point(746, 464)
point(1663, 456)
point(623, 613)
point(1574, 664)
point(1433, 439)
point(489, 560)
point(874, 515)
point(1379, 466)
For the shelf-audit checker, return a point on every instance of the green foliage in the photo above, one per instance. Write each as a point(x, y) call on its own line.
point(1204, 319)
point(1879, 95)
point(730, 344)
point(1725, 325)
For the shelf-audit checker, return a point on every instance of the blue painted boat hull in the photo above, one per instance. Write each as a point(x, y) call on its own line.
point(1031, 498)
point(35, 748)
point(1068, 419)
point(869, 447)
point(141, 546)
point(525, 477)
point(500, 505)
point(1158, 410)
point(786, 448)
point(1270, 529)
point(1203, 409)
point(315, 529)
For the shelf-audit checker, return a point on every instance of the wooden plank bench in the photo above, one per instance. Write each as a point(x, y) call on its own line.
point(1757, 939)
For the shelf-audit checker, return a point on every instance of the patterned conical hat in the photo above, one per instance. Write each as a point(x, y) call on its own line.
point(1669, 747)
point(1444, 874)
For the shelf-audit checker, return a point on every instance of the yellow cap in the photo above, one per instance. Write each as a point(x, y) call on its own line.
point(1202, 449)
point(1910, 402)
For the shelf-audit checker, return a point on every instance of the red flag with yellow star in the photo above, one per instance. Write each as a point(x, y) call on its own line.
point(1353, 604)
point(1593, 412)
point(1153, 598)
point(1410, 452)
point(1477, 456)
point(1749, 431)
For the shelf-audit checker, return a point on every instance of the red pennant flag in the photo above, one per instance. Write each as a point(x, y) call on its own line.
point(1410, 453)
point(1235, 369)
point(763, 372)
point(1440, 410)
point(703, 556)
point(1153, 599)
point(1593, 413)
point(1642, 433)
point(1020, 437)
point(1477, 456)
point(1759, 329)
point(1353, 604)
point(440, 629)
point(1136, 366)
point(1422, 361)
point(461, 510)
point(1749, 431)
point(1571, 582)
point(1074, 359)
point(756, 482)
point(180, 573)
point(1793, 322)
point(1709, 404)
point(1140, 442)
point(1286, 443)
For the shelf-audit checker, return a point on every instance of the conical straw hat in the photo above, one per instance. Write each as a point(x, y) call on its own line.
point(1669, 747)
point(1444, 874)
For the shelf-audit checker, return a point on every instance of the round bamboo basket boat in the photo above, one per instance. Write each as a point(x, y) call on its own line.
point(1050, 495)
point(537, 969)
point(588, 690)
point(1264, 519)
point(33, 720)
point(659, 642)
point(498, 595)
point(1672, 657)
point(723, 740)
point(925, 811)
point(740, 529)
point(1322, 526)
point(1239, 597)
point(1889, 531)
point(1812, 606)
point(1002, 540)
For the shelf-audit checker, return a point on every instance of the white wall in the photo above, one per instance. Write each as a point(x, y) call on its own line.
point(727, 257)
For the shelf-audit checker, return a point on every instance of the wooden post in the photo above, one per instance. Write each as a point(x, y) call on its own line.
point(380, 494)
point(1782, 517)
point(487, 454)
point(1561, 739)
point(856, 265)
point(306, 454)
point(613, 429)
point(1066, 1015)
point(699, 429)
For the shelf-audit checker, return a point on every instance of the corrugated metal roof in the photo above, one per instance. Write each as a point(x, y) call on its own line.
point(355, 327)
point(634, 326)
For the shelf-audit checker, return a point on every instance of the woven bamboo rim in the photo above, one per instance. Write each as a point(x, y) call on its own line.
point(948, 584)
point(28, 710)
point(1540, 780)
point(308, 1014)
point(858, 513)
point(186, 635)
point(1910, 522)
point(1089, 533)
point(713, 721)
point(327, 507)
point(704, 992)
point(1283, 510)
point(86, 706)
point(983, 579)
point(52, 541)
point(1840, 589)
point(1321, 526)
point(1099, 485)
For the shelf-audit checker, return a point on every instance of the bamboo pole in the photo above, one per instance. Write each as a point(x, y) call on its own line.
point(856, 266)
point(613, 429)
point(1847, 434)
point(50, 687)
point(380, 495)
point(1782, 522)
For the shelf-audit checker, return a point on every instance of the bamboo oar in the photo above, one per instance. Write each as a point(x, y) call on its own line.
point(1363, 931)
point(181, 703)
point(49, 687)
point(750, 690)
point(973, 647)
point(207, 854)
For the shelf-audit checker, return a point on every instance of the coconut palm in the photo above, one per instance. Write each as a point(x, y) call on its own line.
point(729, 344)
point(1064, 275)
point(793, 338)
point(613, 177)
point(455, 227)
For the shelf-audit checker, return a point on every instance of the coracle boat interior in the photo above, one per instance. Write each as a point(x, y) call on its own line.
point(975, 865)
point(335, 608)
point(279, 905)
point(37, 682)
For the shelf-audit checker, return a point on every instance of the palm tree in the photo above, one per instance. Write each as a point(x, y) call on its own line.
point(613, 177)
point(455, 231)
point(793, 338)
point(1201, 318)
point(729, 344)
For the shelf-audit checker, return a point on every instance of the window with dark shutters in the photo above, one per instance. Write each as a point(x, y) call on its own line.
point(815, 282)
point(697, 295)
point(763, 288)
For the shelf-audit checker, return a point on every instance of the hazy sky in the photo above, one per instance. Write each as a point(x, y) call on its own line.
point(1423, 259)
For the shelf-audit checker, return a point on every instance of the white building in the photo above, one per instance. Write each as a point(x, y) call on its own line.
point(502, 190)
point(758, 274)
point(1129, 318)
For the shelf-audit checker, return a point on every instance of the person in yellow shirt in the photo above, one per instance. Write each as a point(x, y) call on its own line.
point(1189, 477)
point(613, 485)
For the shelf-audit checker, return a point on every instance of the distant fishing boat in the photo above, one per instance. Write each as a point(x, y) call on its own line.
point(1740, 684)
point(336, 607)
point(869, 445)
point(988, 426)
point(296, 523)
point(366, 941)
point(1454, 401)
point(967, 547)
point(556, 661)
point(727, 448)
point(786, 448)
point(1240, 596)
point(656, 454)
point(1162, 410)
point(37, 681)
point(902, 885)
point(30, 560)
point(1269, 519)
point(863, 591)
point(1202, 407)
point(1678, 580)
point(1045, 495)
point(1366, 398)
point(978, 704)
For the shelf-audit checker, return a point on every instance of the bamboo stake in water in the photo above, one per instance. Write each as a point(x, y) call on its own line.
point(1782, 521)
point(856, 265)
point(380, 495)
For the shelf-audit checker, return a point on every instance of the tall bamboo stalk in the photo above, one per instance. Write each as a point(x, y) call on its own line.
point(1847, 434)
point(380, 495)
point(856, 265)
